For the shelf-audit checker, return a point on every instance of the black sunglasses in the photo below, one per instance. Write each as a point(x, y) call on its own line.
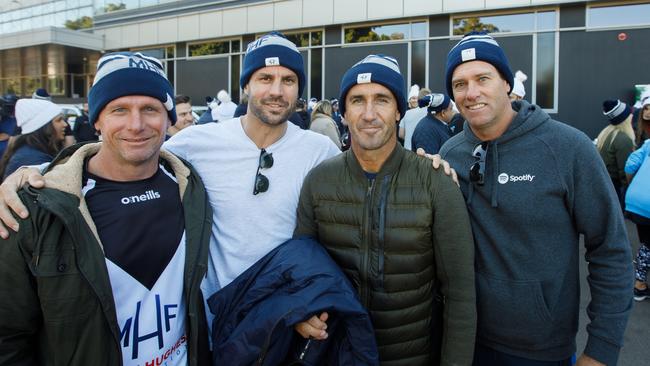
point(261, 181)
point(477, 170)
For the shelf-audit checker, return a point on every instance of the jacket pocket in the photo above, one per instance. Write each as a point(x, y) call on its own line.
point(63, 292)
point(512, 312)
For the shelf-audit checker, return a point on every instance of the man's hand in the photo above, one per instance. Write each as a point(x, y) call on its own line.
point(9, 200)
point(314, 327)
point(585, 360)
point(436, 161)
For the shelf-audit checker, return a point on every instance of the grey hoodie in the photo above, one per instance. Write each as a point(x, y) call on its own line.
point(544, 185)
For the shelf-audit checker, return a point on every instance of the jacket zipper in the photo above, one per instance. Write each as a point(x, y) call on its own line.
point(382, 230)
point(367, 238)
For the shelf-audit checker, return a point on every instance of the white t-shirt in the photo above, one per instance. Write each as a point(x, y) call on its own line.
point(409, 122)
point(246, 226)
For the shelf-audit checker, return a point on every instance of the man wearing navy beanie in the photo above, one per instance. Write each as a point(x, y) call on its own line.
point(434, 129)
point(533, 185)
point(399, 228)
point(112, 239)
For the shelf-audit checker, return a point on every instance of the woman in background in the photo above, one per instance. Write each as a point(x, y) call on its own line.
point(615, 143)
point(42, 132)
point(322, 122)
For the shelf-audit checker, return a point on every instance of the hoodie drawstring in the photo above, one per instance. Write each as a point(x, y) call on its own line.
point(495, 171)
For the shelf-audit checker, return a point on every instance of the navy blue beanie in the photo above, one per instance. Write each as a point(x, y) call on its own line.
point(616, 111)
point(477, 46)
point(127, 73)
point(272, 49)
point(378, 69)
point(434, 102)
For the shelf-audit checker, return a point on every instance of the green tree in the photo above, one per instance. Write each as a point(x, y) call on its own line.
point(466, 25)
point(114, 7)
point(80, 23)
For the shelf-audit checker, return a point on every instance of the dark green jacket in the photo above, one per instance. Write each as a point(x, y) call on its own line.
point(56, 302)
point(615, 150)
point(395, 237)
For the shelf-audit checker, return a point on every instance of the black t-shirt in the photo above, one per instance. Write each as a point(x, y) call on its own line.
point(140, 223)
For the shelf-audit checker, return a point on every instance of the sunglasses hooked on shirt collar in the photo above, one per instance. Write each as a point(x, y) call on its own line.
point(477, 170)
point(261, 181)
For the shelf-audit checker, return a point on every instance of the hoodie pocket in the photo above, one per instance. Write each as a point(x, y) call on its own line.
point(512, 312)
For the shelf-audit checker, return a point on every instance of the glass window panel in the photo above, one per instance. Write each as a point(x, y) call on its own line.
point(48, 8)
point(419, 30)
point(377, 33)
point(316, 84)
point(418, 63)
point(235, 45)
point(59, 19)
point(170, 52)
point(13, 85)
point(110, 6)
point(85, 2)
point(55, 85)
point(59, 5)
point(169, 67)
point(546, 20)
point(300, 39)
point(234, 78)
point(31, 84)
point(86, 12)
point(495, 23)
point(69, 4)
point(72, 14)
point(208, 48)
point(604, 16)
point(317, 38)
point(148, 2)
point(545, 88)
point(158, 53)
point(25, 13)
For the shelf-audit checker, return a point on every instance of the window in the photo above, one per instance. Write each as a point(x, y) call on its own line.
point(506, 23)
point(212, 48)
point(385, 32)
point(305, 39)
point(618, 15)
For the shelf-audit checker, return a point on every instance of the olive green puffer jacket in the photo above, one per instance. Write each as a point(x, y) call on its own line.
point(398, 237)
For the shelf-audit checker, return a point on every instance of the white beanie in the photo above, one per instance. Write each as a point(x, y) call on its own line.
point(32, 114)
point(518, 88)
point(223, 96)
point(414, 91)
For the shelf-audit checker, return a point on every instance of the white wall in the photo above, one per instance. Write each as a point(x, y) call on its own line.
point(285, 15)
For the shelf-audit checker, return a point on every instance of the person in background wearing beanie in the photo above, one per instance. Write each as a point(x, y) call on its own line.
point(411, 118)
point(226, 108)
point(375, 209)
point(433, 130)
point(42, 94)
point(532, 186)
point(518, 90)
point(615, 143)
point(637, 205)
point(322, 122)
point(42, 133)
point(106, 270)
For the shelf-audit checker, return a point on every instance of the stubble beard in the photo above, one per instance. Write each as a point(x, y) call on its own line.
point(268, 118)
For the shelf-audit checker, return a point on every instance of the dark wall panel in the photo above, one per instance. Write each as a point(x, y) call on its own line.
point(339, 60)
point(439, 26)
point(200, 78)
point(595, 66)
point(519, 51)
point(572, 15)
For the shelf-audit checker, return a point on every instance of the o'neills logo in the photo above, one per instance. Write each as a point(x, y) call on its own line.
point(148, 195)
point(504, 178)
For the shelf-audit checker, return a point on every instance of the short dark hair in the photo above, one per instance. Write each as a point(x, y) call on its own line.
point(182, 99)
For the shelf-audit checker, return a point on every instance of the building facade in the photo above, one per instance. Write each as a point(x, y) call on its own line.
point(576, 53)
